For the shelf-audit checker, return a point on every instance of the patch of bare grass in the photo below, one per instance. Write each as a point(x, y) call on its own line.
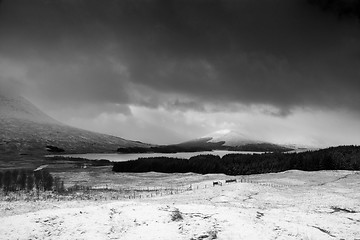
point(176, 215)
point(338, 209)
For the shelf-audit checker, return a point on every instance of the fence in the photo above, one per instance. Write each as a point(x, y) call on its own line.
point(149, 192)
point(106, 192)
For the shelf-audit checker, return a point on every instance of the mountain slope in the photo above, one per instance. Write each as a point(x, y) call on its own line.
point(233, 140)
point(26, 130)
point(17, 107)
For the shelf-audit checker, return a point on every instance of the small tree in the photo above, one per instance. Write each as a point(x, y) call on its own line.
point(48, 180)
point(30, 181)
point(7, 181)
point(1, 180)
point(22, 180)
point(43, 180)
point(62, 187)
point(14, 177)
point(38, 176)
point(58, 185)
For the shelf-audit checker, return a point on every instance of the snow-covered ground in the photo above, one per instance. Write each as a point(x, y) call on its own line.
point(289, 205)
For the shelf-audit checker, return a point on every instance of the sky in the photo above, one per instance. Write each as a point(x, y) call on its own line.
point(167, 71)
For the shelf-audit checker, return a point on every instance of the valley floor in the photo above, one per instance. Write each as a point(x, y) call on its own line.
point(288, 205)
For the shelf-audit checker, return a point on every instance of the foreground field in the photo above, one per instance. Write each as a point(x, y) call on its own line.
point(288, 205)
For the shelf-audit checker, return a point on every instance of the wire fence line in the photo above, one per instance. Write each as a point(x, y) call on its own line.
point(149, 192)
point(110, 192)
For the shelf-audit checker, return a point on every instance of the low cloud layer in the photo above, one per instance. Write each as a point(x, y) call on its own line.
point(202, 56)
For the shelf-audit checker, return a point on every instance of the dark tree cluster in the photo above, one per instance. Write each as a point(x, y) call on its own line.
point(205, 146)
point(78, 161)
point(335, 158)
point(27, 180)
point(54, 149)
point(258, 147)
point(165, 149)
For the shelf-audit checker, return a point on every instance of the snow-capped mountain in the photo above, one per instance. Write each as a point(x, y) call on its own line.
point(231, 138)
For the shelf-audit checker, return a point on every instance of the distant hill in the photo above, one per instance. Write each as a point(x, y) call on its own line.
point(27, 131)
point(191, 146)
point(233, 140)
point(220, 140)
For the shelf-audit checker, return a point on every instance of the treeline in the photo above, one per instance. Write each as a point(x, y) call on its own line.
point(79, 162)
point(335, 158)
point(202, 147)
point(258, 147)
point(54, 149)
point(165, 149)
point(28, 180)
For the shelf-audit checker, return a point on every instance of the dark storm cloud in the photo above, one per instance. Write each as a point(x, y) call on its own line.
point(342, 8)
point(184, 105)
point(276, 52)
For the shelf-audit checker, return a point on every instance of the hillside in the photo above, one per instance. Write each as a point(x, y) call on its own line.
point(231, 138)
point(291, 205)
point(235, 141)
point(220, 140)
point(26, 131)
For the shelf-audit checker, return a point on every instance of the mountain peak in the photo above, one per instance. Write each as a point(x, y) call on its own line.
point(17, 107)
point(230, 137)
point(25, 129)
